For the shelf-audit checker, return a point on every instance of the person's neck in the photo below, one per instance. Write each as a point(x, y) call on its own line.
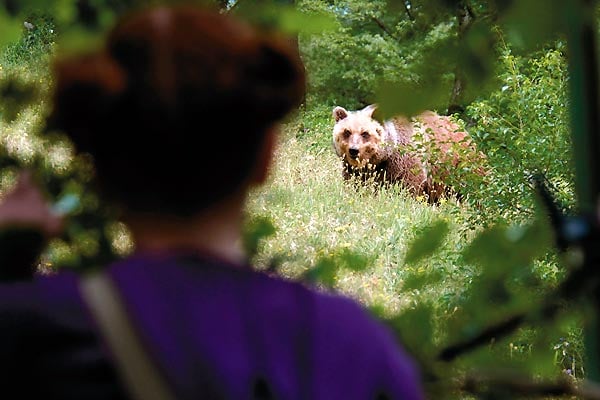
point(215, 231)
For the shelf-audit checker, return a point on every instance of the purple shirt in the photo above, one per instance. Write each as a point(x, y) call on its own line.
point(215, 330)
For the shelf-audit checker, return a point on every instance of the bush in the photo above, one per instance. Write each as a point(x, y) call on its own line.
point(36, 43)
point(523, 128)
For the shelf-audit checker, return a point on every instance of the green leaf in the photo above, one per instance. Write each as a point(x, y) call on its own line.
point(78, 39)
point(328, 266)
point(527, 33)
point(65, 12)
point(323, 272)
point(287, 18)
point(10, 29)
point(517, 246)
point(256, 230)
point(424, 245)
point(292, 20)
point(408, 98)
point(16, 94)
point(417, 281)
point(414, 329)
point(351, 260)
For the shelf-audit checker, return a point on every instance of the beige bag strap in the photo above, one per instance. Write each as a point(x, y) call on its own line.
point(138, 372)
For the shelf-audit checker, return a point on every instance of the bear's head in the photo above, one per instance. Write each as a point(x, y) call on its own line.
point(357, 138)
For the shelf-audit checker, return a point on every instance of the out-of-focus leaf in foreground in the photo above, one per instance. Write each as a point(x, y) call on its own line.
point(427, 242)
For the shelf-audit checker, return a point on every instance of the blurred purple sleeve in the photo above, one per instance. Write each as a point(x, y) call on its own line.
point(365, 350)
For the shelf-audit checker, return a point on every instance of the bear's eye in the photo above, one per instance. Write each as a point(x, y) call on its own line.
point(365, 135)
point(347, 134)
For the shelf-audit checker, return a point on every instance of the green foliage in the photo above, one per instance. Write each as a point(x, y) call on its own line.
point(34, 42)
point(523, 129)
point(427, 242)
point(405, 58)
point(255, 230)
point(415, 329)
point(440, 274)
point(327, 267)
point(551, 23)
point(518, 119)
point(15, 92)
point(370, 45)
point(23, 64)
point(284, 17)
point(67, 178)
point(505, 284)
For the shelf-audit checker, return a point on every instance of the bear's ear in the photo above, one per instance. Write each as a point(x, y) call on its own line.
point(369, 110)
point(339, 113)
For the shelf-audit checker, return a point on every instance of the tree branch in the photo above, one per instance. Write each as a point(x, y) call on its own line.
point(384, 28)
point(580, 282)
point(492, 332)
point(407, 8)
point(465, 18)
point(233, 6)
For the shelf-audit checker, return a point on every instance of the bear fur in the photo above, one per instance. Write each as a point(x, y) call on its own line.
point(419, 153)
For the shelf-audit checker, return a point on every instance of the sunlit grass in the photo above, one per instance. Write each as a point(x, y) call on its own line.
point(316, 212)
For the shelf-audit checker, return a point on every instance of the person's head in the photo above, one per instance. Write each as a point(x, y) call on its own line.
point(176, 106)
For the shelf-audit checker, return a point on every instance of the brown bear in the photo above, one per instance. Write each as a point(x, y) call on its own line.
point(421, 153)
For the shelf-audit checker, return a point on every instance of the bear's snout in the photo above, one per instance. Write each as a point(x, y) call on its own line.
point(353, 151)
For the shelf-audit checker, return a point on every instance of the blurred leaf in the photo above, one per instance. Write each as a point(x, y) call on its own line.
point(427, 242)
point(30, 4)
point(328, 266)
point(77, 39)
point(256, 230)
point(502, 248)
point(351, 260)
point(476, 58)
point(286, 18)
point(417, 280)
point(10, 29)
point(65, 12)
point(414, 329)
point(406, 98)
point(324, 272)
point(15, 94)
point(292, 20)
point(527, 33)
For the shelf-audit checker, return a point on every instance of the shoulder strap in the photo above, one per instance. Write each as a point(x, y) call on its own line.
point(138, 372)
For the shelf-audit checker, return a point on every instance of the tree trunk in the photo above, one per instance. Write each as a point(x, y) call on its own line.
point(465, 20)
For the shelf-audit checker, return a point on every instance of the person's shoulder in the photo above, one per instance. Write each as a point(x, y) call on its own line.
point(47, 306)
point(359, 342)
point(44, 293)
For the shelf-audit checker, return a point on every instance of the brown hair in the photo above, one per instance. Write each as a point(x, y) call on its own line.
point(175, 107)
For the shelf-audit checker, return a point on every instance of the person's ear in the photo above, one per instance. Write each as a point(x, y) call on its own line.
point(265, 156)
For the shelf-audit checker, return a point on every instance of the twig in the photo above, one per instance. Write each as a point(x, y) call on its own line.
point(545, 312)
point(384, 28)
point(407, 7)
point(498, 330)
point(578, 283)
point(233, 6)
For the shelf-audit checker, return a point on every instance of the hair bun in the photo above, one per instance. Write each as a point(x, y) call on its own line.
point(86, 90)
point(279, 79)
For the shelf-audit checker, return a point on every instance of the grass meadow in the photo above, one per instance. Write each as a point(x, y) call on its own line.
point(316, 214)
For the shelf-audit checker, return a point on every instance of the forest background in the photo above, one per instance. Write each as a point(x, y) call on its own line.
point(439, 275)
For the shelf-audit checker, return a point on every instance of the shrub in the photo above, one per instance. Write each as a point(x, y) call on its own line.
point(523, 128)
